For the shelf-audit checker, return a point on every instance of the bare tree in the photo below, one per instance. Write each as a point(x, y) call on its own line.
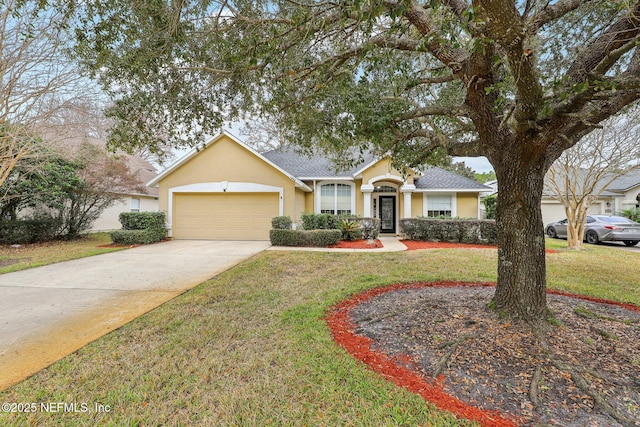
point(40, 84)
point(584, 171)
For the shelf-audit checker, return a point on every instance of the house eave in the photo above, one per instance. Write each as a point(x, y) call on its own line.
point(327, 178)
point(449, 190)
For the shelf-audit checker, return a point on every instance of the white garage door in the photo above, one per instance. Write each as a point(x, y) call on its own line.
point(224, 216)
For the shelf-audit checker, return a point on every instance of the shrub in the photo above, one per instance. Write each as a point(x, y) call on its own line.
point(370, 227)
point(140, 228)
point(136, 237)
point(323, 238)
point(312, 221)
point(282, 223)
point(632, 214)
point(490, 205)
point(350, 230)
point(452, 230)
point(28, 231)
point(142, 220)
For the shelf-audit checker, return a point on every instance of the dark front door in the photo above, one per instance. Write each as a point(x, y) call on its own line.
point(387, 214)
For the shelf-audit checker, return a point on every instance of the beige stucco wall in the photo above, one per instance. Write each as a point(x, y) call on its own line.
point(301, 205)
point(309, 200)
point(225, 160)
point(416, 205)
point(382, 168)
point(467, 205)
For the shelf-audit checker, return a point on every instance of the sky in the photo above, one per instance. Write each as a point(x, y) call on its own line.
point(478, 164)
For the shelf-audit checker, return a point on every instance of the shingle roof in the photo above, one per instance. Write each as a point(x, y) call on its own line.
point(316, 166)
point(625, 182)
point(435, 178)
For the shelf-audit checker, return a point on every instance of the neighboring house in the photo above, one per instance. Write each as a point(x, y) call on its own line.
point(131, 202)
point(228, 191)
point(135, 201)
point(623, 193)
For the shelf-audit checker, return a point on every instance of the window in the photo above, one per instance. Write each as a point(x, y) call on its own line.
point(135, 205)
point(384, 189)
point(335, 199)
point(439, 206)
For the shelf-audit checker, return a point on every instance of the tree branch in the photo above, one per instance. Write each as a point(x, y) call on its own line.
point(432, 110)
point(421, 20)
point(506, 26)
point(552, 12)
point(596, 53)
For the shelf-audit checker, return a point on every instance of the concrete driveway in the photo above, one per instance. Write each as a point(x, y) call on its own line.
point(49, 312)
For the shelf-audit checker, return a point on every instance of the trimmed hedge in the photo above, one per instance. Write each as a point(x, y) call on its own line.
point(135, 237)
point(312, 221)
point(140, 228)
point(451, 230)
point(322, 238)
point(370, 227)
point(142, 220)
point(282, 222)
point(28, 231)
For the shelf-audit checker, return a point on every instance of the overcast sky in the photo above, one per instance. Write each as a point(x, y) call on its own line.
point(478, 164)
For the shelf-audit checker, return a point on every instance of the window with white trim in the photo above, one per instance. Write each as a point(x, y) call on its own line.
point(336, 199)
point(135, 205)
point(439, 205)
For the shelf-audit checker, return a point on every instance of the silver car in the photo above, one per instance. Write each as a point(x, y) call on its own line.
point(601, 228)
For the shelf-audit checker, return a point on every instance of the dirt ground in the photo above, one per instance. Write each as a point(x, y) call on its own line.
point(581, 370)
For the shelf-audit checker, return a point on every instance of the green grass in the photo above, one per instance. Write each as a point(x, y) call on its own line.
point(250, 348)
point(36, 255)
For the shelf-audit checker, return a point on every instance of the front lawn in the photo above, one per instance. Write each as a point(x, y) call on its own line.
point(251, 348)
point(38, 254)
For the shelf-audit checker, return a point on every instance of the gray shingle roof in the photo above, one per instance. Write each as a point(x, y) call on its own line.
point(316, 166)
point(435, 178)
point(625, 182)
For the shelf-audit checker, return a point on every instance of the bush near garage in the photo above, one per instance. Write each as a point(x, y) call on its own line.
point(450, 230)
point(321, 238)
point(142, 220)
point(28, 231)
point(282, 223)
point(140, 228)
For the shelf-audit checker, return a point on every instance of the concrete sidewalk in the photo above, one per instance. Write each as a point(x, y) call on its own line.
point(49, 312)
point(389, 244)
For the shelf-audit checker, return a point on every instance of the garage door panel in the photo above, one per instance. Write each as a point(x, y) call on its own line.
point(224, 216)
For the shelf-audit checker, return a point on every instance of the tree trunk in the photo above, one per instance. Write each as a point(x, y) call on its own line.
point(575, 227)
point(522, 286)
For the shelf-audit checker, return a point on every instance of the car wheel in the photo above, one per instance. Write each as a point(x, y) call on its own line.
point(630, 242)
point(551, 232)
point(592, 237)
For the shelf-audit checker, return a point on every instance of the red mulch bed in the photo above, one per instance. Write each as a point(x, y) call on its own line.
point(467, 360)
point(357, 244)
point(413, 245)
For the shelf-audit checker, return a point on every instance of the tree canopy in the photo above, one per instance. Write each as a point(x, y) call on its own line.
point(516, 81)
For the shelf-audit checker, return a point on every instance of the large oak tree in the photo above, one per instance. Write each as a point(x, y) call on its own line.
point(516, 81)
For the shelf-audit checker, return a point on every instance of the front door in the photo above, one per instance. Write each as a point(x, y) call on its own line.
point(387, 214)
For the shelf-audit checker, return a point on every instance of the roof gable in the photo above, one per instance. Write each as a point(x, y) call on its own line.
point(196, 151)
